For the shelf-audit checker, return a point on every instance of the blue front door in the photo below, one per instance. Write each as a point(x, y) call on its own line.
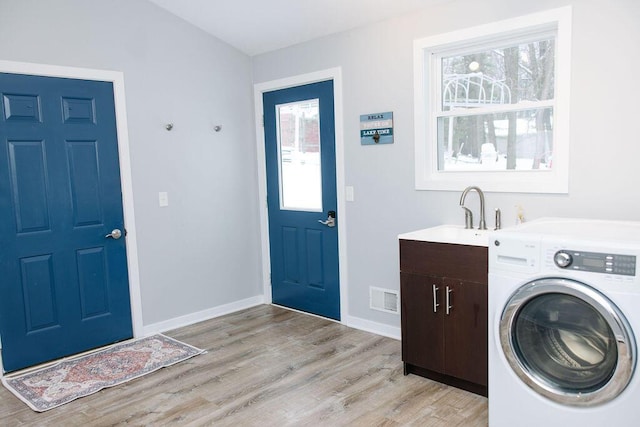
point(301, 186)
point(64, 286)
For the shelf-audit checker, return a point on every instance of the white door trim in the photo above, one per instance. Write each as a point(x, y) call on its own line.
point(117, 78)
point(334, 74)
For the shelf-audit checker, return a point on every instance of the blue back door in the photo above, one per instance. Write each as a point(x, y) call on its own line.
point(64, 286)
point(301, 187)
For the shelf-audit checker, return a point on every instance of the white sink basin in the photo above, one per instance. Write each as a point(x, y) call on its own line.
point(454, 234)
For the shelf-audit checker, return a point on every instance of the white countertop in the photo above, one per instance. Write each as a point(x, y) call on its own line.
point(453, 234)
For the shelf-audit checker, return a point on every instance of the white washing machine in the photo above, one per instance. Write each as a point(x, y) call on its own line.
point(564, 314)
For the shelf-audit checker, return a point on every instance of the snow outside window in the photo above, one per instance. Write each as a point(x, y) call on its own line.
point(491, 106)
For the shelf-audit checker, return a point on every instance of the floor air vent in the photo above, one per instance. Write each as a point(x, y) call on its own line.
point(383, 300)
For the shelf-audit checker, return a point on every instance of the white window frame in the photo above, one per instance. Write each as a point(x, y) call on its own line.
point(426, 80)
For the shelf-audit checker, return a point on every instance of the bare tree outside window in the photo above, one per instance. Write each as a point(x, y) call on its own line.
point(496, 107)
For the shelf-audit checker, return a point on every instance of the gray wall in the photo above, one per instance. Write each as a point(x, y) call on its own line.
point(378, 76)
point(201, 251)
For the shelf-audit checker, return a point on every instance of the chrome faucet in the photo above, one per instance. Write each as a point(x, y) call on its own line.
point(467, 213)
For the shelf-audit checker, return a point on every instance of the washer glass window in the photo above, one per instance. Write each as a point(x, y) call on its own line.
point(566, 341)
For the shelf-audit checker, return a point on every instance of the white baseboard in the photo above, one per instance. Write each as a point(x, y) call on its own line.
point(200, 316)
point(373, 327)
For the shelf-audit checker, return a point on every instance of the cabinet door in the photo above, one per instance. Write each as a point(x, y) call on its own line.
point(465, 329)
point(421, 316)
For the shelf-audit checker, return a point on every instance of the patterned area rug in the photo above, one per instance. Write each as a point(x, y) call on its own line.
point(70, 379)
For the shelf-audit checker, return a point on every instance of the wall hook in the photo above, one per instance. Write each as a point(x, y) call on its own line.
point(168, 126)
point(217, 128)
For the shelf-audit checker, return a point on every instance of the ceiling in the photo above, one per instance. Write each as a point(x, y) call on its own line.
point(259, 26)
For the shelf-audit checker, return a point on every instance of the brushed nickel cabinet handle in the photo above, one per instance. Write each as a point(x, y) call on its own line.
point(435, 298)
point(449, 306)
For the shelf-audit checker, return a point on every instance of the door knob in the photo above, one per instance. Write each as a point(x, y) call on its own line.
point(331, 219)
point(115, 234)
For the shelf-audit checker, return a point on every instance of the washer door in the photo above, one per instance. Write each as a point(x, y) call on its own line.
point(568, 342)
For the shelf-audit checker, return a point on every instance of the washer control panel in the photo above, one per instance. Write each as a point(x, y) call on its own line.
point(597, 262)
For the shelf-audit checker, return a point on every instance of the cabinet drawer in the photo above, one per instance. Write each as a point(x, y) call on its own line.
point(445, 260)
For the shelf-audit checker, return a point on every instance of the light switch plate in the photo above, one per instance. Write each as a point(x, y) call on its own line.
point(348, 193)
point(163, 199)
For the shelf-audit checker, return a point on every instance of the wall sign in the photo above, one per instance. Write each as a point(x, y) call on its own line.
point(376, 128)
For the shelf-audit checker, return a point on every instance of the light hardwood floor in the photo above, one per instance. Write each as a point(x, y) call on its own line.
point(267, 366)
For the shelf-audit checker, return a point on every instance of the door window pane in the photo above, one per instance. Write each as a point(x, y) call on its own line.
point(299, 156)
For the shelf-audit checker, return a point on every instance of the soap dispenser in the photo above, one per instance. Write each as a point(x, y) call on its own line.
point(519, 214)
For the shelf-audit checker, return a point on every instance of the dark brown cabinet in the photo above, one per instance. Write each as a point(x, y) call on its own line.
point(443, 290)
